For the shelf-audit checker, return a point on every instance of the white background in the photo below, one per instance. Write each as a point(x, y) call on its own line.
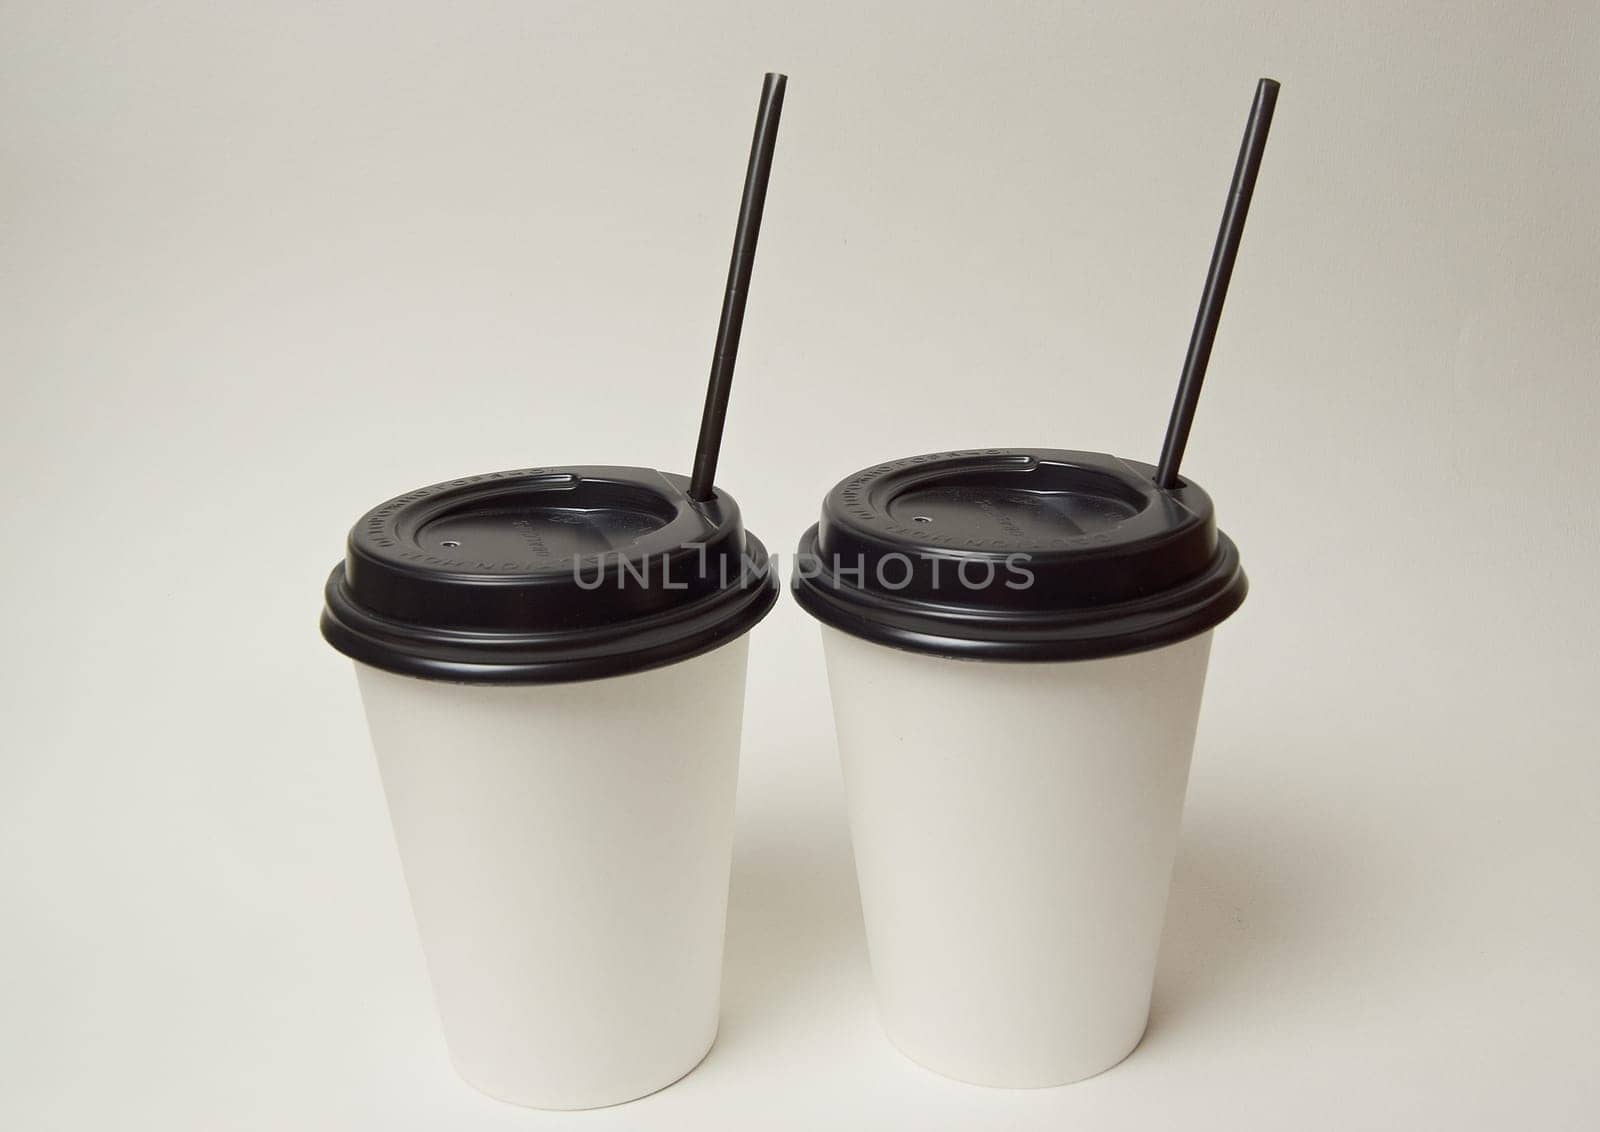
point(264, 266)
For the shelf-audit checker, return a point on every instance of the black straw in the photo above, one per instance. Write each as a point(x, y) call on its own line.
point(1222, 257)
point(744, 254)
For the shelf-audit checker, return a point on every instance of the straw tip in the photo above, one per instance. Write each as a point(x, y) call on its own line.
point(776, 78)
point(1272, 85)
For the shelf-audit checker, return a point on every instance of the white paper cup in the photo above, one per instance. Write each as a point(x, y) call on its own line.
point(552, 662)
point(1014, 826)
point(566, 847)
point(1016, 642)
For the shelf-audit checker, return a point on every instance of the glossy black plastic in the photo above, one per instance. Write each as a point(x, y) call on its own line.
point(1017, 554)
point(546, 574)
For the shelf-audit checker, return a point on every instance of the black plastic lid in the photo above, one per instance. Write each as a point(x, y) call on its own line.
point(1017, 554)
point(545, 575)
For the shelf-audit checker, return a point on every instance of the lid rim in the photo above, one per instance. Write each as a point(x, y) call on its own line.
point(460, 656)
point(1039, 638)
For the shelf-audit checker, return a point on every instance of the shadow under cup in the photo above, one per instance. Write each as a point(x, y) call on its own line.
point(1017, 643)
point(553, 664)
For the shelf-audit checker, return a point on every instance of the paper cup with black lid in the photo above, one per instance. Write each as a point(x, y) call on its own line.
point(1016, 642)
point(552, 662)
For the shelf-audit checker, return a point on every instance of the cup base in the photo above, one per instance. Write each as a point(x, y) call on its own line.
point(610, 1099)
point(1022, 1081)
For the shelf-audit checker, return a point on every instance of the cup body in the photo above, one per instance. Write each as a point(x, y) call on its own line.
point(566, 847)
point(1014, 827)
